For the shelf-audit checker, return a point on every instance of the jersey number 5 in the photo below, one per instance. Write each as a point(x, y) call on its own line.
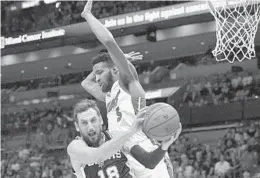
point(119, 114)
point(112, 172)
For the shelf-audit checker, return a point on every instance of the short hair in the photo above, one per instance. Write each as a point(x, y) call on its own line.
point(103, 51)
point(84, 105)
point(102, 57)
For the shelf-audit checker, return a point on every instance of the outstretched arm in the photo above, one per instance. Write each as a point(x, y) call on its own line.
point(128, 74)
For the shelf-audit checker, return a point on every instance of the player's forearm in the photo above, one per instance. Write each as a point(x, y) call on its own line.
point(107, 39)
point(102, 33)
point(90, 79)
point(110, 147)
point(148, 159)
point(92, 87)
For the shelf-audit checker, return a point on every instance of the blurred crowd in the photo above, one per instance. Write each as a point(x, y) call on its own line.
point(61, 13)
point(218, 89)
point(234, 155)
point(47, 82)
point(237, 154)
point(32, 162)
point(46, 133)
point(46, 121)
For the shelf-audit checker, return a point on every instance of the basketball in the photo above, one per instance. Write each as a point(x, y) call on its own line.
point(161, 121)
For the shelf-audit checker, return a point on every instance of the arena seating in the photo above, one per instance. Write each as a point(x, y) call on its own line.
point(64, 13)
point(144, 70)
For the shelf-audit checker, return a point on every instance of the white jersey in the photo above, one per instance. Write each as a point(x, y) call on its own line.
point(120, 115)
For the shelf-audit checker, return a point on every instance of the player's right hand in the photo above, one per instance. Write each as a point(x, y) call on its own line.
point(167, 143)
point(87, 8)
point(134, 56)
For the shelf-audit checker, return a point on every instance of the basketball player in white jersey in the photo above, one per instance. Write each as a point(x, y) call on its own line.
point(114, 80)
point(95, 154)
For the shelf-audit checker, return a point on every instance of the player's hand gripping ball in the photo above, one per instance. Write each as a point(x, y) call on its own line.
point(161, 122)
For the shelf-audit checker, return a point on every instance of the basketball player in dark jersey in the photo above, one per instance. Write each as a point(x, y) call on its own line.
point(95, 154)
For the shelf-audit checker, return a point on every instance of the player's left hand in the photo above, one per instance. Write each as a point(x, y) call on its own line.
point(134, 56)
point(167, 143)
point(87, 8)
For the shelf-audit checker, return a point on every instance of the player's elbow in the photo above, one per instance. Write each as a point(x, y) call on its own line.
point(147, 162)
point(109, 42)
point(71, 150)
point(85, 84)
point(150, 164)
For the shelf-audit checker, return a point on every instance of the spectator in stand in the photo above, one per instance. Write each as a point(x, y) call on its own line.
point(38, 140)
point(57, 173)
point(188, 95)
point(232, 158)
point(251, 131)
point(222, 166)
point(248, 160)
point(216, 93)
point(246, 174)
point(77, 11)
point(198, 158)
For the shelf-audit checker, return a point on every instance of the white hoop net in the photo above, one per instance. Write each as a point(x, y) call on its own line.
point(236, 27)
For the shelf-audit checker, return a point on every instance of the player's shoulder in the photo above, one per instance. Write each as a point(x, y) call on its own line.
point(132, 87)
point(77, 142)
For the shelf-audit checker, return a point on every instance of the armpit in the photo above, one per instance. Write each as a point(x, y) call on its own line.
point(138, 103)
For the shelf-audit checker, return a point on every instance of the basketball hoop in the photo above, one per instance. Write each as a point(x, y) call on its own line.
point(236, 27)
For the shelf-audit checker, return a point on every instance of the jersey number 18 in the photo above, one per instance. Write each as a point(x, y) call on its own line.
point(112, 172)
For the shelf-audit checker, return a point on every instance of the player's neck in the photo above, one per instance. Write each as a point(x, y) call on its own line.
point(115, 78)
point(103, 139)
point(114, 81)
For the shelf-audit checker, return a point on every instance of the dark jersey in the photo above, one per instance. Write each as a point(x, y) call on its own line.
point(114, 167)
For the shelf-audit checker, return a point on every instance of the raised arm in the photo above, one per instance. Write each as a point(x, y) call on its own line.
point(127, 72)
point(79, 151)
point(91, 86)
